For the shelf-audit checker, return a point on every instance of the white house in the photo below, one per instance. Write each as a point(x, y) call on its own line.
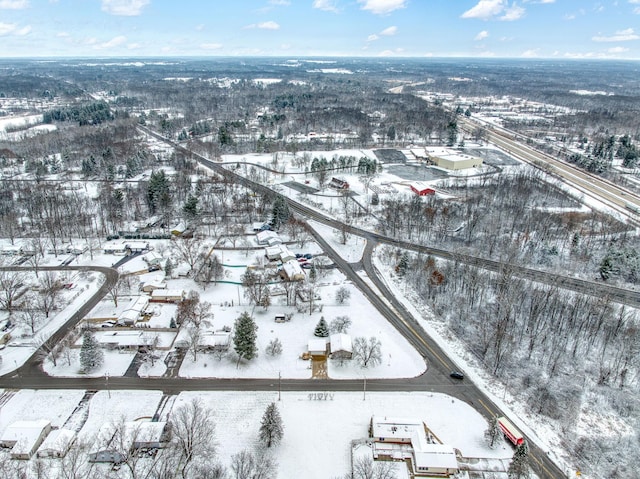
point(152, 258)
point(131, 315)
point(57, 443)
point(292, 271)
point(167, 295)
point(137, 246)
point(401, 439)
point(263, 237)
point(145, 434)
point(218, 341)
point(341, 346)
point(115, 248)
point(24, 437)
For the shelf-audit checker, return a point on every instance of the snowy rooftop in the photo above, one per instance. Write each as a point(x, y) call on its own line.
point(23, 436)
point(58, 440)
point(341, 342)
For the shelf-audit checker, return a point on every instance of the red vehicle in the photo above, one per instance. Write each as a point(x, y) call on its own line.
point(510, 431)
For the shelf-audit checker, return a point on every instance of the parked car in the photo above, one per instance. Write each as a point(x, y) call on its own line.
point(456, 375)
point(306, 265)
point(153, 267)
point(308, 256)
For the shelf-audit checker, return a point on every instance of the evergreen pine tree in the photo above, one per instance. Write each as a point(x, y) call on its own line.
point(519, 467)
point(322, 329)
point(91, 356)
point(168, 268)
point(190, 208)
point(493, 431)
point(280, 212)
point(403, 265)
point(244, 338)
point(271, 427)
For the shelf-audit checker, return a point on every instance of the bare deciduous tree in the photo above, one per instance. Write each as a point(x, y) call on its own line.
point(367, 352)
point(193, 434)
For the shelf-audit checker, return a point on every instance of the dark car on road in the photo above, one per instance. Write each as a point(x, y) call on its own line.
point(456, 375)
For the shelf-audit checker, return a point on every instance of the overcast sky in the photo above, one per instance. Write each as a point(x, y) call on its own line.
point(403, 28)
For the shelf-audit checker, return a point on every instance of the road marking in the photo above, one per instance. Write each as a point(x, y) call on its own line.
point(491, 413)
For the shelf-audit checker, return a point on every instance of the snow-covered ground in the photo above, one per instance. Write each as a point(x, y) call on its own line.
point(317, 447)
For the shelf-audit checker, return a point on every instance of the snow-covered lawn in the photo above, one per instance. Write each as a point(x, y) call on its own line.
point(115, 364)
point(317, 432)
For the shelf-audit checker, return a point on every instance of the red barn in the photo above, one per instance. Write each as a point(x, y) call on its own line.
point(422, 189)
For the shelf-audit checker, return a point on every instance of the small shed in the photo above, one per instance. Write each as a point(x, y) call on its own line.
point(317, 347)
point(24, 437)
point(178, 229)
point(341, 346)
point(57, 443)
point(421, 189)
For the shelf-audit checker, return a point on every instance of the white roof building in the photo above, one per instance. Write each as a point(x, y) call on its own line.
point(131, 315)
point(263, 237)
point(401, 438)
point(292, 270)
point(57, 443)
point(317, 347)
point(341, 344)
point(24, 437)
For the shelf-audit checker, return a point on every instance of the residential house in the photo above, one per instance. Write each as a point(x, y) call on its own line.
point(24, 437)
point(57, 443)
point(341, 346)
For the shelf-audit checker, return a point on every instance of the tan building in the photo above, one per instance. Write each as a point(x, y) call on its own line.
point(452, 159)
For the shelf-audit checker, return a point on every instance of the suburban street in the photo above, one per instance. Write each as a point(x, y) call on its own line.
point(438, 364)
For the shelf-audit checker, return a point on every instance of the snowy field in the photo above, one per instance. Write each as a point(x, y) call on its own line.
point(317, 447)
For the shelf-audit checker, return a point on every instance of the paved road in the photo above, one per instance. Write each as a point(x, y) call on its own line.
point(436, 378)
point(592, 185)
point(32, 366)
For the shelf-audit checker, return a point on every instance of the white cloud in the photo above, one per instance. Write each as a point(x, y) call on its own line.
point(270, 25)
point(211, 46)
point(13, 4)
point(482, 35)
point(389, 31)
point(390, 53)
point(533, 53)
point(280, 3)
point(485, 9)
point(539, 1)
point(617, 50)
point(382, 7)
point(63, 35)
point(114, 42)
point(24, 30)
point(126, 8)
point(7, 28)
point(12, 29)
point(619, 36)
point(636, 10)
point(513, 13)
point(326, 5)
point(200, 27)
